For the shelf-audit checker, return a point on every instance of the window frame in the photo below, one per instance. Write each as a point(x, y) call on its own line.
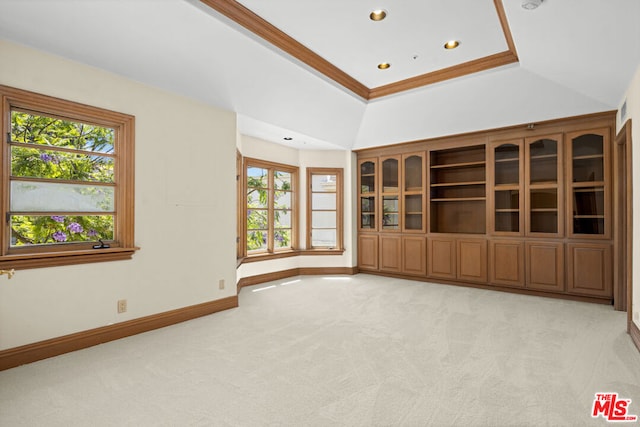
point(271, 167)
point(338, 172)
point(122, 246)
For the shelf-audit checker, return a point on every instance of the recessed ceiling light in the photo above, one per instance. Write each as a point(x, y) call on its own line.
point(531, 4)
point(378, 15)
point(451, 44)
point(384, 65)
point(287, 138)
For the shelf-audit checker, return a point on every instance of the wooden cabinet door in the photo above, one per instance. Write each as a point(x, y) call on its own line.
point(368, 252)
point(442, 257)
point(506, 262)
point(390, 253)
point(414, 255)
point(545, 266)
point(472, 260)
point(589, 269)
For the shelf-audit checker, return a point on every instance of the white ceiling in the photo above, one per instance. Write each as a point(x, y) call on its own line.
point(576, 57)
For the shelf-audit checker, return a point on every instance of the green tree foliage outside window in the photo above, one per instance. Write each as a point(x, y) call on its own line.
point(62, 175)
point(264, 201)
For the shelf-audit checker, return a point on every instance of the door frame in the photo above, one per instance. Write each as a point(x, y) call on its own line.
point(623, 215)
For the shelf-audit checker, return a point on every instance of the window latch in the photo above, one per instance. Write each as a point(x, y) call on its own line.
point(102, 245)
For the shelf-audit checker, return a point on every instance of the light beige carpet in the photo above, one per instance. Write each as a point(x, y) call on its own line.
point(359, 350)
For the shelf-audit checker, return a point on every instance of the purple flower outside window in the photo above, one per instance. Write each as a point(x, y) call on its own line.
point(74, 227)
point(57, 218)
point(59, 236)
point(45, 157)
point(92, 233)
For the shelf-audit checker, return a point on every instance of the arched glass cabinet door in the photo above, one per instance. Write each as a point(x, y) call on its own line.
point(588, 182)
point(544, 185)
point(367, 194)
point(390, 193)
point(507, 187)
point(413, 192)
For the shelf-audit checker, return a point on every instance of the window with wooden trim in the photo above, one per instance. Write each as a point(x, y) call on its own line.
point(67, 182)
point(271, 214)
point(324, 208)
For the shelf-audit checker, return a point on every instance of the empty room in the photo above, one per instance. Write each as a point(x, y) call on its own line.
point(343, 213)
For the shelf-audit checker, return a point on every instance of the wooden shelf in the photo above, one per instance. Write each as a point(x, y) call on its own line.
point(461, 199)
point(506, 187)
point(544, 185)
point(589, 216)
point(544, 156)
point(584, 184)
point(458, 184)
point(459, 165)
point(544, 210)
point(590, 156)
point(507, 210)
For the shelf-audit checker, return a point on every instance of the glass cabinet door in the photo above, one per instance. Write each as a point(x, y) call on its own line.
point(544, 186)
point(367, 194)
point(390, 193)
point(507, 180)
point(589, 196)
point(413, 192)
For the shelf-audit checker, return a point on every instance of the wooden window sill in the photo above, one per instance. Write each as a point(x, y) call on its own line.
point(55, 259)
point(287, 254)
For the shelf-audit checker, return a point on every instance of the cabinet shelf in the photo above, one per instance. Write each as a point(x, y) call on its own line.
point(543, 185)
point(506, 187)
point(461, 199)
point(507, 210)
point(459, 165)
point(589, 156)
point(458, 184)
point(509, 160)
point(544, 210)
point(544, 156)
point(589, 216)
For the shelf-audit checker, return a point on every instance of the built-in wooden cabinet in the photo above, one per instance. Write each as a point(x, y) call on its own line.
point(368, 252)
point(545, 265)
point(506, 262)
point(458, 190)
point(525, 208)
point(367, 194)
point(442, 257)
point(590, 271)
point(414, 255)
point(390, 252)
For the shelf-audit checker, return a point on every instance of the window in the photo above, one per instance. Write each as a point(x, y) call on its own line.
point(69, 184)
point(271, 214)
point(324, 208)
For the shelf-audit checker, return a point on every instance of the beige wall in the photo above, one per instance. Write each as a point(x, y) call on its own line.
point(260, 149)
point(185, 201)
point(633, 112)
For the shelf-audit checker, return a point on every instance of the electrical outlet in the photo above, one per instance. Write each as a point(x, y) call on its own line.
point(221, 284)
point(122, 305)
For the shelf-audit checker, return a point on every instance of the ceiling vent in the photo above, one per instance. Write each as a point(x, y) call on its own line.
point(531, 4)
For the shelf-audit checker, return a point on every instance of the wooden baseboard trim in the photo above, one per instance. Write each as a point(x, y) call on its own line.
point(303, 271)
point(634, 331)
point(514, 290)
point(17, 356)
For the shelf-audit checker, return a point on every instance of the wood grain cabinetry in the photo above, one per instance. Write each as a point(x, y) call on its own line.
point(414, 255)
point(390, 252)
point(442, 257)
point(590, 270)
point(368, 252)
point(545, 265)
point(506, 262)
point(525, 207)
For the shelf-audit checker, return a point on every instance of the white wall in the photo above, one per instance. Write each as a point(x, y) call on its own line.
point(633, 112)
point(263, 150)
point(185, 203)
